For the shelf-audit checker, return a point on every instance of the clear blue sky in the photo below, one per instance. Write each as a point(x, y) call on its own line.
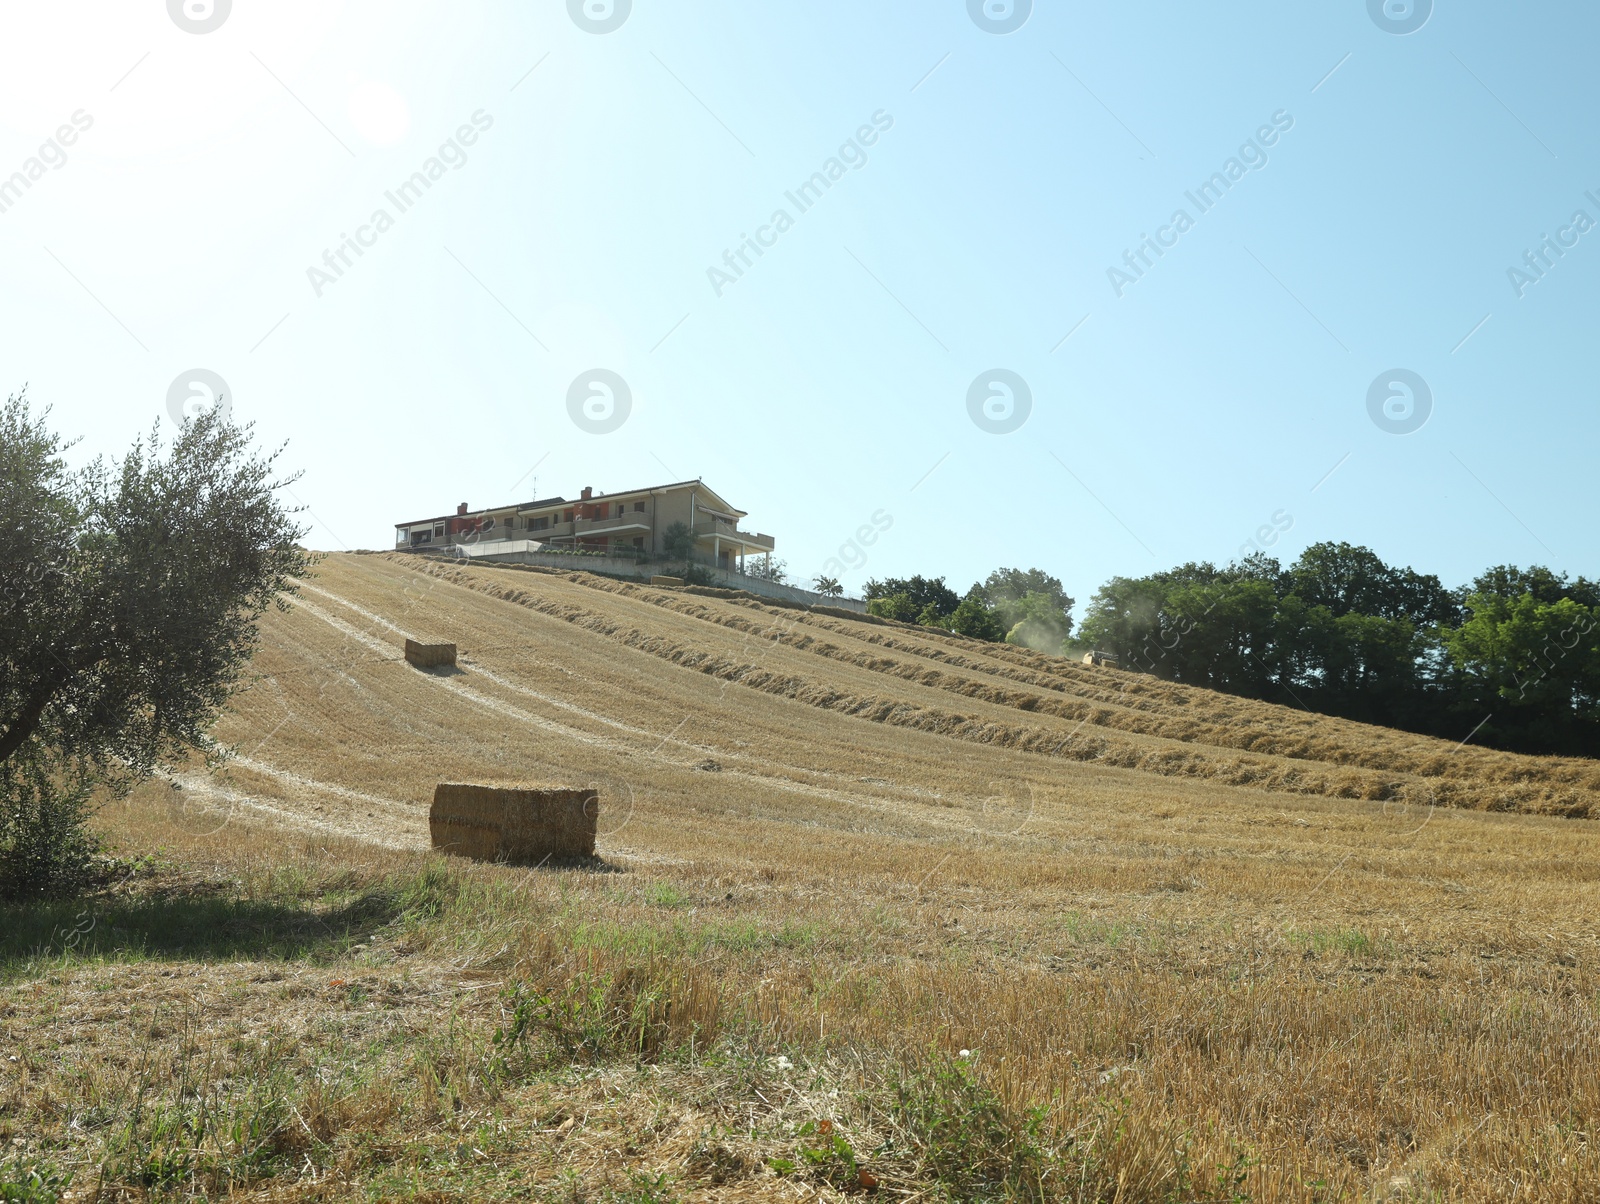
point(831, 380)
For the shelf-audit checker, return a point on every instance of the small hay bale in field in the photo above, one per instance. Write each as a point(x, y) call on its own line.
point(660, 580)
point(520, 826)
point(1108, 659)
point(430, 656)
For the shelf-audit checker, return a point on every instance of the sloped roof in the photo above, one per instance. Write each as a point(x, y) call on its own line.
point(562, 501)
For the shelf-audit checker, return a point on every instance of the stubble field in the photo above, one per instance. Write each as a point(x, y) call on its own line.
point(878, 911)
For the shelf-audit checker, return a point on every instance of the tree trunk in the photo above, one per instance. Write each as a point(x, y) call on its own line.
point(25, 722)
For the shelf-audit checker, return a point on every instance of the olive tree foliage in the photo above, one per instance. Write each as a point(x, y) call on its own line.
point(130, 595)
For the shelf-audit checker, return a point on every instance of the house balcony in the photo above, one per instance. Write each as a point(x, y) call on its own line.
point(727, 536)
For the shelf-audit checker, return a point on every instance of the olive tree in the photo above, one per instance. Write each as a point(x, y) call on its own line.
point(130, 594)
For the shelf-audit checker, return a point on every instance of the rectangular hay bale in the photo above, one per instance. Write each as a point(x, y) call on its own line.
point(519, 826)
point(428, 656)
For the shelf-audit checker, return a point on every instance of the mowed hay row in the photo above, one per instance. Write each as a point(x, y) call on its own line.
point(1539, 788)
point(1137, 703)
point(516, 825)
point(1144, 704)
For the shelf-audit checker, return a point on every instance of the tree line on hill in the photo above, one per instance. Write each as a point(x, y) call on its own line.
point(1511, 660)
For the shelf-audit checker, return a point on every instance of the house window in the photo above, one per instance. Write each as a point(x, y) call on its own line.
point(539, 524)
point(566, 516)
point(488, 524)
point(639, 506)
point(438, 529)
point(638, 542)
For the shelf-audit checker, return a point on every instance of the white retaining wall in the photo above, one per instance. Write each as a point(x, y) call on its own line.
point(525, 551)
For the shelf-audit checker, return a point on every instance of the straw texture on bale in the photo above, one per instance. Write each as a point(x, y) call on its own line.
point(521, 826)
point(428, 656)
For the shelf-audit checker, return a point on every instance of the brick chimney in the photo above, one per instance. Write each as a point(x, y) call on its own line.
point(588, 493)
point(461, 509)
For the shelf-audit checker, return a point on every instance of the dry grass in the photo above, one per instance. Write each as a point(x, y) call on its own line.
point(1230, 950)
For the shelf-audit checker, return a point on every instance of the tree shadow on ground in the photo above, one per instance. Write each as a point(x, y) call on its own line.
point(197, 926)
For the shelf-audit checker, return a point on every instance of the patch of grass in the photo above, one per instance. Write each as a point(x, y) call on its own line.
point(686, 939)
point(966, 1138)
point(1088, 930)
point(1322, 940)
point(214, 1135)
point(591, 1017)
point(32, 1179)
point(664, 894)
point(642, 1188)
point(753, 937)
point(428, 893)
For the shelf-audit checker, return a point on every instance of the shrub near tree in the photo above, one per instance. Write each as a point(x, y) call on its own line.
point(1032, 606)
point(129, 597)
point(1025, 606)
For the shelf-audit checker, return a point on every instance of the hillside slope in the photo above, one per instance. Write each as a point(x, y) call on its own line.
point(850, 723)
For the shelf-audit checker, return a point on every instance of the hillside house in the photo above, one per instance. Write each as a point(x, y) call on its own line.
point(629, 523)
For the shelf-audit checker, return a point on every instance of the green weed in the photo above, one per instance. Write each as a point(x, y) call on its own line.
point(968, 1142)
point(31, 1179)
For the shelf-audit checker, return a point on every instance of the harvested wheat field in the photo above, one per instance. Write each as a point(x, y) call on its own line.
point(876, 911)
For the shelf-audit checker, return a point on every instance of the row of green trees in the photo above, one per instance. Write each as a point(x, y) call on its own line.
point(1339, 631)
point(1511, 659)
